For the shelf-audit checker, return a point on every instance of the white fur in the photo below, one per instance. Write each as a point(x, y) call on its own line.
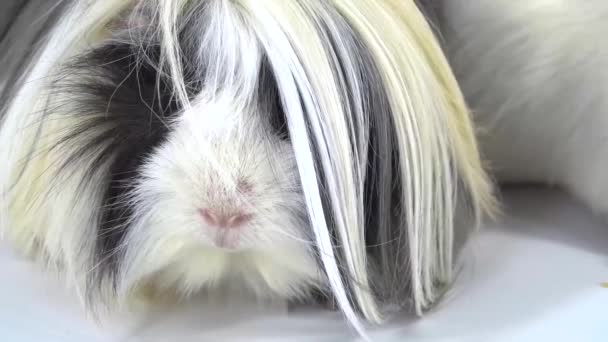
point(179, 179)
point(536, 75)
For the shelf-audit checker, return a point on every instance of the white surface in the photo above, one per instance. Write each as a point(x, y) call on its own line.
point(535, 276)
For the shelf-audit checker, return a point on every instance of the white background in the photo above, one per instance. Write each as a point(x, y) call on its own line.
point(533, 276)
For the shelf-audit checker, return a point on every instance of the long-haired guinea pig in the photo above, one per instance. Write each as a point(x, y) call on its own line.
point(282, 147)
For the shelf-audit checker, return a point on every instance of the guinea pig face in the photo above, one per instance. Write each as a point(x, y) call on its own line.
point(193, 196)
point(226, 180)
point(222, 194)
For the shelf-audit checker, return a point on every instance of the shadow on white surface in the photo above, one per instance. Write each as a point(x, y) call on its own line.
point(533, 276)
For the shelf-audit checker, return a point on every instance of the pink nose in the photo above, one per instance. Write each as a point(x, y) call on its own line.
point(224, 219)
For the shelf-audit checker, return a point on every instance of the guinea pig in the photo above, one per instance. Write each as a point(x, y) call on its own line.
point(277, 147)
point(535, 75)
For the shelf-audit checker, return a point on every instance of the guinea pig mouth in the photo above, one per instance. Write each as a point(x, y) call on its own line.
point(227, 239)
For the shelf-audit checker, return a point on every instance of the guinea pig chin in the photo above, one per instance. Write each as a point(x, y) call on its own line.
point(221, 201)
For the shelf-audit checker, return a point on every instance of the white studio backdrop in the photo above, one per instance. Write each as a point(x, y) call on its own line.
point(534, 276)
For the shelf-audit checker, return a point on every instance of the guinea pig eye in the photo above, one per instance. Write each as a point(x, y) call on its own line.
point(270, 101)
point(278, 123)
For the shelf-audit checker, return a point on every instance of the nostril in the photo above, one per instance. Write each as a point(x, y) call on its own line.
point(209, 217)
point(224, 220)
point(238, 220)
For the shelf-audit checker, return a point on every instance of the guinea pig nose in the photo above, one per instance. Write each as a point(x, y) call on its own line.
point(224, 219)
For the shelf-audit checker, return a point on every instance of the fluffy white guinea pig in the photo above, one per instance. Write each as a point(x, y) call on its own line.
point(535, 74)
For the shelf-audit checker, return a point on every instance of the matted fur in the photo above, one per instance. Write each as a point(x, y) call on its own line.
point(380, 149)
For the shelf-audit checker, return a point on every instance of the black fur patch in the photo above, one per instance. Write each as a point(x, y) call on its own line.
point(124, 107)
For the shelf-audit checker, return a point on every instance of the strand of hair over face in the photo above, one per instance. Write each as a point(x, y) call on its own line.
point(432, 140)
